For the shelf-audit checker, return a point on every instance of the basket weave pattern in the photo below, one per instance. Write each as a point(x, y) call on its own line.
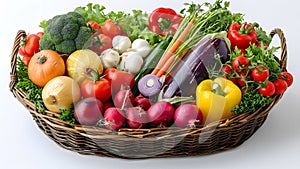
point(147, 143)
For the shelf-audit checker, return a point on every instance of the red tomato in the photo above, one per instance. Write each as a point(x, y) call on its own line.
point(240, 64)
point(110, 29)
point(260, 73)
point(287, 77)
point(243, 51)
point(101, 42)
point(26, 60)
point(119, 78)
point(242, 80)
point(227, 72)
point(100, 89)
point(267, 90)
point(280, 86)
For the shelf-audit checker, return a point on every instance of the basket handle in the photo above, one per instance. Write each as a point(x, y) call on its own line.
point(13, 74)
point(283, 57)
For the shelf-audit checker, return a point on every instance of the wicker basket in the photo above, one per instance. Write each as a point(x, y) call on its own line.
point(147, 143)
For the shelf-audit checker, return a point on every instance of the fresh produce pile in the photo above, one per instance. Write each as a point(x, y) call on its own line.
point(138, 70)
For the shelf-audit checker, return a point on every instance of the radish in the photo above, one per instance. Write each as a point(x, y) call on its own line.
point(113, 118)
point(107, 105)
point(124, 99)
point(187, 115)
point(136, 117)
point(142, 102)
point(161, 114)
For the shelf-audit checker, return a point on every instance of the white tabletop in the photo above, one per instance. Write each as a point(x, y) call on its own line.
point(275, 145)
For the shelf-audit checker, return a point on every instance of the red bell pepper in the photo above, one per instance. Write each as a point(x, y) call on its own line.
point(164, 20)
point(30, 45)
point(94, 25)
point(241, 36)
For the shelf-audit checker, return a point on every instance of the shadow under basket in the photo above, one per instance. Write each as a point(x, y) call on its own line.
point(152, 142)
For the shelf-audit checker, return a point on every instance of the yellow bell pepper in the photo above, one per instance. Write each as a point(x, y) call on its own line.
point(215, 99)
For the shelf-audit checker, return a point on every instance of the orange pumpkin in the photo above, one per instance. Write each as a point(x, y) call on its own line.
point(44, 66)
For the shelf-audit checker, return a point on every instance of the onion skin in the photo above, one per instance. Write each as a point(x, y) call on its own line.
point(161, 114)
point(187, 115)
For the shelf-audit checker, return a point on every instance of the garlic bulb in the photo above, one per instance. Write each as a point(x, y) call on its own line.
point(110, 58)
point(121, 43)
point(132, 63)
point(141, 46)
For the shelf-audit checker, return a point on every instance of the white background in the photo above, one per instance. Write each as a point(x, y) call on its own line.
point(23, 145)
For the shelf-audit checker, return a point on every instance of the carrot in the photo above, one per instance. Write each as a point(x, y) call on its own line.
point(165, 67)
point(168, 63)
point(167, 59)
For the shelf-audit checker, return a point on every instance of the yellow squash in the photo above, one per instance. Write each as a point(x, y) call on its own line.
point(215, 99)
point(80, 60)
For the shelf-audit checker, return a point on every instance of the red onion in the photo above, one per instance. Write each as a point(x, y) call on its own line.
point(187, 115)
point(88, 111)
point(161, 114)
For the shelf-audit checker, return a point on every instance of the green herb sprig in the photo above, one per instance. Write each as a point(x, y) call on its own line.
point(34, 92)
point(68, 115)
point(250, 102)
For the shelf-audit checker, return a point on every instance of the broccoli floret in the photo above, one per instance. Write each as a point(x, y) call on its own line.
point(67, 45)
point(83, 39)
point(46, 43)
point(66, 33)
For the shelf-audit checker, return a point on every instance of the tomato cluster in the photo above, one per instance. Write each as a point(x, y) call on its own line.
point(102, 38)
point(103, 87)
point(249, 77)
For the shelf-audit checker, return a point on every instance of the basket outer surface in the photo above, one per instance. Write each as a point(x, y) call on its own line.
point(147, 143)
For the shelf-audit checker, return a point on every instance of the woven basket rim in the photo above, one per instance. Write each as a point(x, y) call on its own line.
point(50, 119)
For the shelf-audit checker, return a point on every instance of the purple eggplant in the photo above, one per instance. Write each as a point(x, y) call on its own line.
point(195, 66)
